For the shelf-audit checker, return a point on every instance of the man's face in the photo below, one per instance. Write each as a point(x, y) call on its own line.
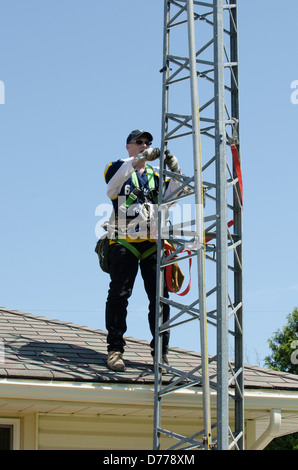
point(137, 146)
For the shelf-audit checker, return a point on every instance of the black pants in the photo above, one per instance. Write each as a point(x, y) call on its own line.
point(123, 268)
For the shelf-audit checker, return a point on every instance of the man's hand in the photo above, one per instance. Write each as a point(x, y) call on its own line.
point(172, 162)
point(150, 154)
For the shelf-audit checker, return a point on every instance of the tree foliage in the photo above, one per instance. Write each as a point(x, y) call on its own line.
point(284, 346)
point(284, 357)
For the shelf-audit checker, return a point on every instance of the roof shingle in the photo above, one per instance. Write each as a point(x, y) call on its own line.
point(41, 348)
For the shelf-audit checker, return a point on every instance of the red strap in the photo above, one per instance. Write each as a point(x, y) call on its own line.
point(230, 223)
point(237, 168)
point(169, 248)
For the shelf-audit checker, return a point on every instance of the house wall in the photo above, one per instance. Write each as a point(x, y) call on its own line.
point(100, 432)
point(104, 432)
point(48, 431)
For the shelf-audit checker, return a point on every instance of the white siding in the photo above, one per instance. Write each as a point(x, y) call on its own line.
point(95, 433)
point(105, 432)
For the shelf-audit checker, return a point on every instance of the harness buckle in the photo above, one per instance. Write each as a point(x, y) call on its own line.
point(234, 139)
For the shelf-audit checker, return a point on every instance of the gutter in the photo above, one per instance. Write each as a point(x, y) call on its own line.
point(271, 432)
point(101, 392)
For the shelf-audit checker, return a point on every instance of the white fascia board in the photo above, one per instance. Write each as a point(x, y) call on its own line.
point(95, 393)
point(269, 399)
point(86, 392)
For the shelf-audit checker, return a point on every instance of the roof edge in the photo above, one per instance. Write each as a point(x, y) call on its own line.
point(94, 393)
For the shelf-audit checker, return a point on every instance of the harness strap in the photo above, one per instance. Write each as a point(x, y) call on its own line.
point(237, 166)
point(137, 193)
point(135, 251)
point(233, 141)
point(229, 224)
point(131, 198)
point(150, 174)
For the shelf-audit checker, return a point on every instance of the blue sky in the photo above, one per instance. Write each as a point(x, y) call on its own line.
point(79, 76)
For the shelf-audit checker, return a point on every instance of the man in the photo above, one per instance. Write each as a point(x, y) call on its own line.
point(132, 186)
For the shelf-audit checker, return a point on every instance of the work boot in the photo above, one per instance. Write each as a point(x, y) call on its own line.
point(115, 361)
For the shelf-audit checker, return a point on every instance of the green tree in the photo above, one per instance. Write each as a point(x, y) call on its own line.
point(283, 346)
point(284, 357)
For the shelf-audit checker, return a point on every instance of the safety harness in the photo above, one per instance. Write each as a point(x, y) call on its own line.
point(137, 193)
point(172, 271)
point(134, 195)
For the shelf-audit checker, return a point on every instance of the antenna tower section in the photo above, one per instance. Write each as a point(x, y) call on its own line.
point(200, 117)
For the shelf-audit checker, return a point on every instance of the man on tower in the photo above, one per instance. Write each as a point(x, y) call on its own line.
point(132, 186)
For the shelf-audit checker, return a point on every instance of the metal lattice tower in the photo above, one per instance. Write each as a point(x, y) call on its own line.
point(201, 61)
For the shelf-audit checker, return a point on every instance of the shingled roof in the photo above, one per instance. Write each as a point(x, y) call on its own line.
point(36, 347)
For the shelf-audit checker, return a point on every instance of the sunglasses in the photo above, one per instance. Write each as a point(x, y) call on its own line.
point(140, 142)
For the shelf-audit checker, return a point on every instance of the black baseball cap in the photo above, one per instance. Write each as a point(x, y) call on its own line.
point(136, 134)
